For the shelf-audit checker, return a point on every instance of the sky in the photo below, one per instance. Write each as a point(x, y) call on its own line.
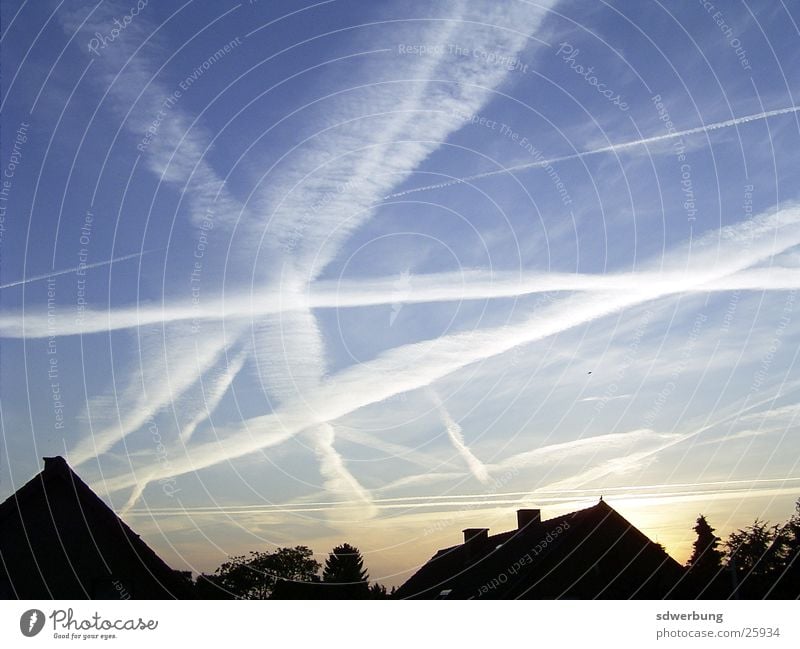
point(281, 273)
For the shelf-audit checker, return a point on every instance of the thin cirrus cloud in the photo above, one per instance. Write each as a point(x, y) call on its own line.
point(610, 452)
point(310, 219)
point(712, 257)
point(469, 284)
point(290, 332)
point(456, 435)
point(214, 390)
point(177, 154)
point(170, 365)
point(308, 213)
point(297, 366)
point(611, 148)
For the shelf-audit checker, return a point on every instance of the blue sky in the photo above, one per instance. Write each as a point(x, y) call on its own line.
point(377, 272)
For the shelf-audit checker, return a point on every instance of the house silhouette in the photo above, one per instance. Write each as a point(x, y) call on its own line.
point(59, 540)
point(588, 554)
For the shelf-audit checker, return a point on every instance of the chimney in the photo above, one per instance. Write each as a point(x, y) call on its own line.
point(476, 534)
point(56, 466)
point(528, 518)
point(475, 539)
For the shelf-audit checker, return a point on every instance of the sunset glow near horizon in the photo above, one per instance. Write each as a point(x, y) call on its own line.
point(279, 274)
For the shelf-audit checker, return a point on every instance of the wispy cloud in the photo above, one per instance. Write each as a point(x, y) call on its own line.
point(213, 392)
point(456, 436)
point(338, 480)
point(178, 152)
point(611, 148)
point(470, 284)
point(631, 460)
point(409, 367)
point(316, 201)
point(314, 204)
point(293, 366)
point(170, 363)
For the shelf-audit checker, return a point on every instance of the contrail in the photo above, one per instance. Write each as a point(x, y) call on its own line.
point(460, 503)
point(433, 287)
point(418, 365)
point(456, 435)
point(81, 268)
point(606, 149)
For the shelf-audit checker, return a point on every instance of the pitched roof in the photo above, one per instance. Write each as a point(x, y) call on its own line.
point(592, 552)
point(59, 540)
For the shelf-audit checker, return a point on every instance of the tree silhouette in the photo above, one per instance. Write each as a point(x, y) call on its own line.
point(706, 555)
point(345, 566)
point(209, 587)
point(253, 576)
point(757, 555)
point(705, 576)
point(787, 583)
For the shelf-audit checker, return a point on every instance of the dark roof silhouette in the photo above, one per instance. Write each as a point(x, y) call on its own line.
point(59, 540)
point(587, 554)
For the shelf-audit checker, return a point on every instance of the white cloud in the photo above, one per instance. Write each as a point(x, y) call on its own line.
point(456, 436)
point(171, 361)
point(710, 258)
point(611, 148)
point(471, 284)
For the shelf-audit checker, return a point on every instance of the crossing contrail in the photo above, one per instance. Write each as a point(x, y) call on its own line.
point(606, 149)
point(77, 269)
